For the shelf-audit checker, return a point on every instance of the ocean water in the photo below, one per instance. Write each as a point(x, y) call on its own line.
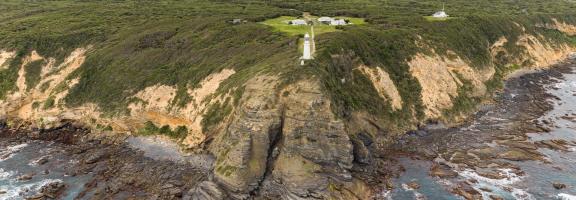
point(20, 159)
point(430, 187)
point(535, 183)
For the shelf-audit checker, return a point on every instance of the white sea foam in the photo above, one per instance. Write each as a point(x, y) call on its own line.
point(17, 147)
point(565, 196)
point(418, 195)
point(510, 179)
point(385, 194)
point(10, 150)
point(5, 174)
point(14, 192)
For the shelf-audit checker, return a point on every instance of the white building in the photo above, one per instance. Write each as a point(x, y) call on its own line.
point(325, 20)
point(307, 53)
point(338, 22)
point(298, 22)
point(440, 14)
point(332, 21)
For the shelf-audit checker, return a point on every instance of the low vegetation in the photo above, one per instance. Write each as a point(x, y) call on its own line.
point(151, 129)
point(138, 44)
point(33, 71)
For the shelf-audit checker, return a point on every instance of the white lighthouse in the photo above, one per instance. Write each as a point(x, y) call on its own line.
point(307, 55)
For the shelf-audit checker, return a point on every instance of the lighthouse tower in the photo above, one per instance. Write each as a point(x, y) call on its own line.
point(307, 48)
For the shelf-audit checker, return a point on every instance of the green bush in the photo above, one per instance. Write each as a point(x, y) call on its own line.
point(151, 129)
point(49, 103)
point(33, 71)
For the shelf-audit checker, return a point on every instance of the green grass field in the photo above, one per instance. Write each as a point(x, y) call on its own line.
point(281, 24)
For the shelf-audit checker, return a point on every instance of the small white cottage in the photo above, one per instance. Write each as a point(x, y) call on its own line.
point(298, 22)
point(338, 22)
point(325, 20)
point(332, 21)
point(440, 14)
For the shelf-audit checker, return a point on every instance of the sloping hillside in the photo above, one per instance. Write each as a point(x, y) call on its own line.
point(237, 90)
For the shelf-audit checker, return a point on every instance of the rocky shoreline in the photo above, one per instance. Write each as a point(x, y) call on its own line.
point(117, 171)
point(496, 138)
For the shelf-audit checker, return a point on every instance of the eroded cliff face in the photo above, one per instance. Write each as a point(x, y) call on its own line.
point(155, 104)
point(564, 27)
point(41, 103)
point(440, 77)
point(384, 85)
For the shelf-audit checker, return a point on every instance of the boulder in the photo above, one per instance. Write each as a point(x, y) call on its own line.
point(26, 177)
point(414, 185)
point(53, 189)
point(361, 152)
point(559, 186)
point(468, 192)
point(442, 171)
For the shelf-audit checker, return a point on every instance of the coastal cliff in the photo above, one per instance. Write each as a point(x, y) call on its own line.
point(277, 129)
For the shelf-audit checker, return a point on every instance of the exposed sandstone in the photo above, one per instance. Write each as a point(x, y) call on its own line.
point(384, 85)
point(541, 54)
point(5, 56)
point(438, 85)
point(569, 29)
point(201, 99)
point(156, 98)
point(440, 79)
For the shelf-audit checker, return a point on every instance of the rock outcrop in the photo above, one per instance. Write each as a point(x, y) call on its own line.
point(243, 150)
point(290, 146)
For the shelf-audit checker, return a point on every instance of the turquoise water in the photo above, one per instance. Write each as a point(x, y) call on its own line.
point(417, 171)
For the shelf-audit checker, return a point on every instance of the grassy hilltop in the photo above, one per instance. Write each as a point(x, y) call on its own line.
point(137, 44)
